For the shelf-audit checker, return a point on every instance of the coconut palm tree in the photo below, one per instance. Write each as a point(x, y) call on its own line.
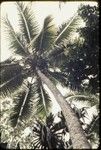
point(34, 48)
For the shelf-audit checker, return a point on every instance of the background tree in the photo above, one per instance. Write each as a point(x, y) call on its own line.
point(83, 64)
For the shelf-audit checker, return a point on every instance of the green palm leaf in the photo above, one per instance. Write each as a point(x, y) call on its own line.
point(11, 78)
point(43, 101)
point(7, 61)
point(94, 125)
point(14, 38)
point(92, 130)
point(91, 99)
point(23, 106)
point(69, 29)
point(28, 25)
point(47, 36)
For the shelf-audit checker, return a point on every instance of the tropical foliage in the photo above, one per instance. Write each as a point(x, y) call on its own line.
point(45, 51)
point(49, 133)
point(82, 66)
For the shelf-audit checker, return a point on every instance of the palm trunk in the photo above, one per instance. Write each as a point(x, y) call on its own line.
point(77, 134)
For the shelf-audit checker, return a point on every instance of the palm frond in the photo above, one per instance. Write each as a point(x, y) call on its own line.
point(94, 125)
point(11, 78)
point(47, 36)
point(23, 106)
point(28, 24)
point(43, 102)
point(9, 60)
point(93, 130)
point(70, 28)
point(57, 55)
point(14, 39)
point(91, 99)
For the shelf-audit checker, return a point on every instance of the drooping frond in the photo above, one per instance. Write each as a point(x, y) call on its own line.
point(94, 125)
point(43, 101)
point(9, 71)
point(47, 36)
point(68, 29)
point(7, 62)
point(23, 106)
point(28, 25)
point(11, 77)
point(93, 130)
point(14, 38)
point(91, 99)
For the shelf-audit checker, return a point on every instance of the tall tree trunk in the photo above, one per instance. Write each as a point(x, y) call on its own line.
point(77, 134)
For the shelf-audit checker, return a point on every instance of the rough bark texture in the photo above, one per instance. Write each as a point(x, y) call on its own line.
point(77, 134)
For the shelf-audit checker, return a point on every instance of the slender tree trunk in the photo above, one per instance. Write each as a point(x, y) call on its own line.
point(77, 134)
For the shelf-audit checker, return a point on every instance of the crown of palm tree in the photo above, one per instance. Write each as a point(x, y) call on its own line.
point(36, 50)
